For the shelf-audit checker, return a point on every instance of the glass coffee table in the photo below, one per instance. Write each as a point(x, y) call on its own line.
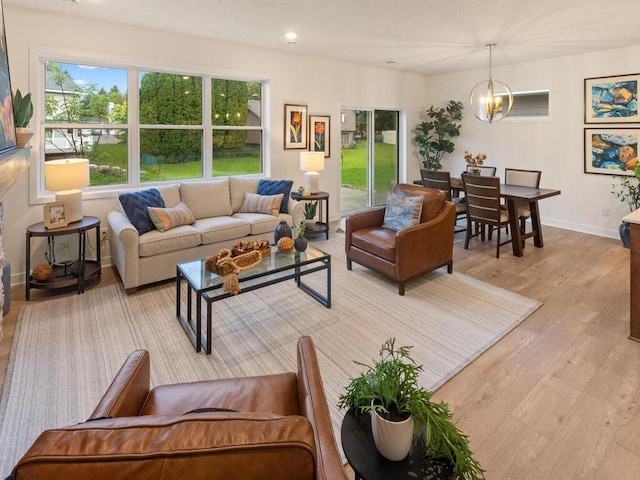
point(207, 286)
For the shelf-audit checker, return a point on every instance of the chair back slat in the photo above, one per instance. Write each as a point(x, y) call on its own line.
point(438, 180)
point(485, 171)
point(483, 198)
point(522, 178)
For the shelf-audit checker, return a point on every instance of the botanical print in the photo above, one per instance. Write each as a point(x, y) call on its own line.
point(611, 151)
point(295, 126)
point(319, 140)
point(320, 133)
point(612, 99)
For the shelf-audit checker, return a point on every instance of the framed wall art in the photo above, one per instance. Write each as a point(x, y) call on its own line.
point(611, 99)
point(320, 134)
point(55, 215)
point(295, 127)
point(7, 123)
point(611, 151)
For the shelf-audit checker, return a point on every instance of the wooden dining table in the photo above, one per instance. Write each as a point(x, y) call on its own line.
point(516, 195)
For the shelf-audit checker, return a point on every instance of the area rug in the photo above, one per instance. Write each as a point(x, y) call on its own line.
point(67, 350)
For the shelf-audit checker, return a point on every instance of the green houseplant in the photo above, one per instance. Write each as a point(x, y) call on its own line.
point(627, 190)
point(390, 388)
point(300, 243)
point(433, 136)
point(22, 109)
point(310, 209)
point(22, 113)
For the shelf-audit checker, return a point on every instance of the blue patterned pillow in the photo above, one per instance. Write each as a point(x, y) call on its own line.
point(402, 212)
point(274, 187)
point(135, 206)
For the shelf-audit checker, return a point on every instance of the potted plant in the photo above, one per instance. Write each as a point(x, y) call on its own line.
point(474, 162)
point(300, 243)
point(627, 191)
point(22, 113)
point(433, 136)
point(389, 389)
point(310, 210)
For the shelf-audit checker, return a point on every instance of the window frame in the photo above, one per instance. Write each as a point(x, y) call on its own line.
point(37, 193)
point(531, 118)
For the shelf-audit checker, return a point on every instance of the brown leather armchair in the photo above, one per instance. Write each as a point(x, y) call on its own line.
point(279, 428)
point(409, 252)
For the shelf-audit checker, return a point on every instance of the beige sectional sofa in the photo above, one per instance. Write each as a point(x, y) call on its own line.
point(215, 204)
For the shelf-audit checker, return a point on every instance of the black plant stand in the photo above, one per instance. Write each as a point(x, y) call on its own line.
point(368, 464)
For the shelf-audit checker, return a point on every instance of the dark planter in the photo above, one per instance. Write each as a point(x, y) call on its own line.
point(282, 230)
point(300, 244)
point(625, 234)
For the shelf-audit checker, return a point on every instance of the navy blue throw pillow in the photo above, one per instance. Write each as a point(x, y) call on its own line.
point(274, 187)
point(135, 206)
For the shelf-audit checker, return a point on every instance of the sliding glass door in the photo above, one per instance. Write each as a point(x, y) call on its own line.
point(369, 157)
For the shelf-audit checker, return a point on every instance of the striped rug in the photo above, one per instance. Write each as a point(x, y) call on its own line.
point(67, 350)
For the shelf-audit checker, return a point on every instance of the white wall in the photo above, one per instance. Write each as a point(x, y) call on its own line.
point(323, 85)
point(556, 146)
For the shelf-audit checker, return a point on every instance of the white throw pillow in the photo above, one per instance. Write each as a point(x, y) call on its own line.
point(207, 199)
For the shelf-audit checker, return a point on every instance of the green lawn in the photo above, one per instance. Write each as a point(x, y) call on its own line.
point(354, 166)
point(115, 155)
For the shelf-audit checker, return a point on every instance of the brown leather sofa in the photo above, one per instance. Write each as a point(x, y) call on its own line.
point(280, 428)
point(409, 252)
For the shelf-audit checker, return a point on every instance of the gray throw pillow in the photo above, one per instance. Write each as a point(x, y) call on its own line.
point(402, 212)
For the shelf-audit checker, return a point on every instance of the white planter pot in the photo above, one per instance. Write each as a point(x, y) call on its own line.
point(393, 439)
point(23, 136)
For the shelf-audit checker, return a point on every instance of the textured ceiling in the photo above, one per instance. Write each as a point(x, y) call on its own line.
point(422, 36)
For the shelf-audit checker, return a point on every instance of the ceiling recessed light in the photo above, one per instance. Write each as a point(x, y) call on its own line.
point(291, 37)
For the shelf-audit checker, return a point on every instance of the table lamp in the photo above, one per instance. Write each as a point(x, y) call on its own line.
point(66, 177)
point(311, 163)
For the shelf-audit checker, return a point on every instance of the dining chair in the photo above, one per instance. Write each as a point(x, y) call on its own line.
point(522, 178)
point(483, 208)
point(485, 171)
point(442, 181)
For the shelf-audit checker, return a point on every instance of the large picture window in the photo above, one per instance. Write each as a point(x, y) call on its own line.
point(236, 115)
point(179, 125)
point(85, 113)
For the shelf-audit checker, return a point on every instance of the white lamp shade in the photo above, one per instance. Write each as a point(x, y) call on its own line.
point(66, 174)
point(311, 161)
point(66, 177)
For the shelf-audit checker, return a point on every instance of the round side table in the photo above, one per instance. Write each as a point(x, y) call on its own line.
point(321, 227)
point(62, 276)
point(368, 464)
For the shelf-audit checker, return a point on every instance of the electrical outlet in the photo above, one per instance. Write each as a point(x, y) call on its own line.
point(104, 235)
point(604, 211)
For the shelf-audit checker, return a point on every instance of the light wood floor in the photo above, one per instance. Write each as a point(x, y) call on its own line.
point(559, 396)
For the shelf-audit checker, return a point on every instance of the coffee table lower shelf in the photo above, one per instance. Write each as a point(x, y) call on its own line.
point(207, 287)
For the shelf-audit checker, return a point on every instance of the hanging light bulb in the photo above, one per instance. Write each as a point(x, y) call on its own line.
point(491, 100)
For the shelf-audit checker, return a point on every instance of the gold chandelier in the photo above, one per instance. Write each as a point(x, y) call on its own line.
point(491, 100)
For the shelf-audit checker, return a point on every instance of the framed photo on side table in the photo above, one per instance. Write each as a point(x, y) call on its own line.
point(611, 99)
point(295, 127)
point(55, 215)
point(611, 151)
point(320, 134)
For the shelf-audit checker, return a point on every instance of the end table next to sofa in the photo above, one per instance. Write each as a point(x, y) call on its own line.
point(321, 227)
point(61, 276)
